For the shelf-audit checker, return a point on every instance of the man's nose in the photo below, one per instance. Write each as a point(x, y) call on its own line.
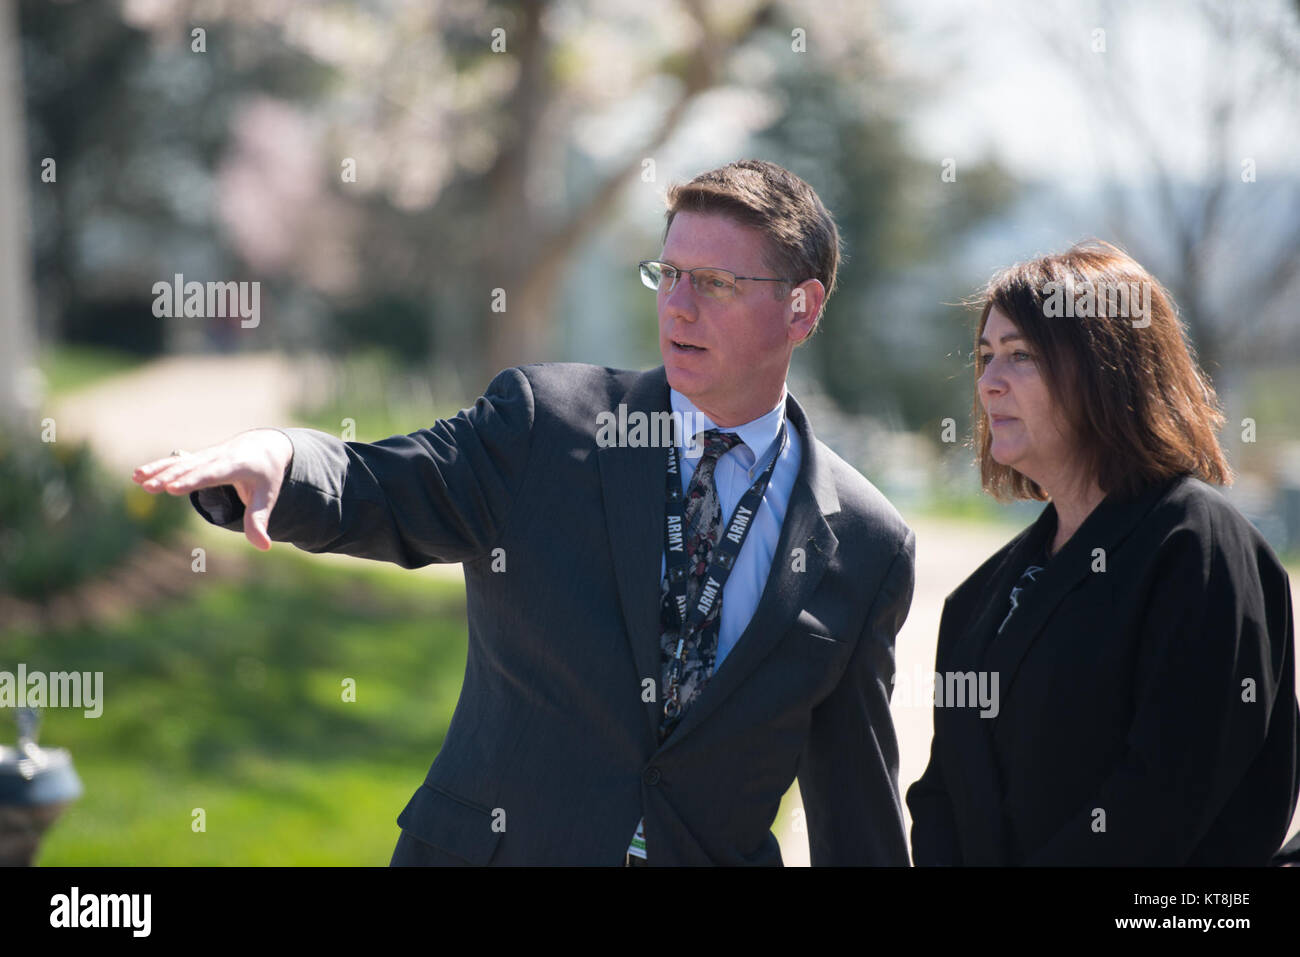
point(682, 298)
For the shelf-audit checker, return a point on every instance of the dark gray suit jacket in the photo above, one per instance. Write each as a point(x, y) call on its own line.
point(552, 738)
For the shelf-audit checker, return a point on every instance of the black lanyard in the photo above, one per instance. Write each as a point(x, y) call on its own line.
point(723, 559)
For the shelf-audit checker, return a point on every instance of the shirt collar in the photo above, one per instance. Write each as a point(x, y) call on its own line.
point(756, 436)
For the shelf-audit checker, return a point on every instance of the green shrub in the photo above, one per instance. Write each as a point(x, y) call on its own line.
point(62, 520)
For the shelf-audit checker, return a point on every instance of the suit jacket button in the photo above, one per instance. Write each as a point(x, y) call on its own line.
point(651, 776)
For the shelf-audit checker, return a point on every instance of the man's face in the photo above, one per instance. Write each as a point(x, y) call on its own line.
point(743, 344)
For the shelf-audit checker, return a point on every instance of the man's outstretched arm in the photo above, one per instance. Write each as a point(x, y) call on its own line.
point(441, 494)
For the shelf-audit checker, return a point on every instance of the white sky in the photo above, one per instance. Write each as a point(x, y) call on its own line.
point(1005, 88)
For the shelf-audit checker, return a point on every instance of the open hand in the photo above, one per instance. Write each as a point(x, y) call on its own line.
point(254, 462)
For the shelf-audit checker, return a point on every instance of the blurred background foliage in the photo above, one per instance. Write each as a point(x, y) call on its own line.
point(231, 701)
point(388, 170)
point(477, 169)
point(62, 520)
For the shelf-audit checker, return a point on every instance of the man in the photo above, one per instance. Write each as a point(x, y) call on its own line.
point(615, 708)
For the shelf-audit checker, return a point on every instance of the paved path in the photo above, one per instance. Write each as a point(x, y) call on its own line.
point(189, 402)
point(179, 402)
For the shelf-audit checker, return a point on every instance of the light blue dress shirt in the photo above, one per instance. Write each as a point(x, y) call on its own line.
point(734, 473)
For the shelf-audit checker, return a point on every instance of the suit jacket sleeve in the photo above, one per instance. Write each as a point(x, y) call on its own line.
point(848, 772)
point(442, 494)
point(1216, 614)
point(934, 825)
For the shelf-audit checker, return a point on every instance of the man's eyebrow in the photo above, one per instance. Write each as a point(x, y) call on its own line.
point(675, 266)
point(1005, 339)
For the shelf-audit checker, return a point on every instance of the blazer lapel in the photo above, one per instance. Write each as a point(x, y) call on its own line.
point(988, 603)
point(1104, 528)
point(967, 742)
point(632, 479)
point(812, 498)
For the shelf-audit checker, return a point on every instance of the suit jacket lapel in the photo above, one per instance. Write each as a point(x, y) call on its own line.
point(633, 484)
point(988, 602)
point(812, 498)
point(967, 739)
point(1105, 528)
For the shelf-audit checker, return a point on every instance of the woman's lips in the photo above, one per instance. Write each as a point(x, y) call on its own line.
point(1001, 419)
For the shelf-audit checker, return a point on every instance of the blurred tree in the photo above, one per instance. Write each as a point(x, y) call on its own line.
point(1212, 217)
point(457, 126)
point(886, 342)
point(18, 383)
point(133, 124)
point(531, 249)
point(427, 155)
point(363, 151)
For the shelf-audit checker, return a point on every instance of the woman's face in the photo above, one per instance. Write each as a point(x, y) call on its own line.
point(1027, 428)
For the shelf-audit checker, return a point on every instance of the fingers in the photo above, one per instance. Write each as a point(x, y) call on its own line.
point(184, 477)
point(241, 462)
point(256, 518)
point(165, 474)
point(147, 471)
point(155, 475)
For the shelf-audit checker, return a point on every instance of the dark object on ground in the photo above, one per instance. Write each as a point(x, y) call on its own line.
point(36, 784)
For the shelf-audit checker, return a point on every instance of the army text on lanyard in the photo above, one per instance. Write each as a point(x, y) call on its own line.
point(723, 560)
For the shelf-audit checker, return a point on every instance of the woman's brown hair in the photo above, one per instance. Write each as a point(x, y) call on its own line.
point(1117, 361)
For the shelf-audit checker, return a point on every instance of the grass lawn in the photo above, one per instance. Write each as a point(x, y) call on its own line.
point(371, 422)
point(231, 701)
point(379, 397)
point(68, 368)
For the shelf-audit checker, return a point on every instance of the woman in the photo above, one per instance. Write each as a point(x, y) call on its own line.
point(1139, 632)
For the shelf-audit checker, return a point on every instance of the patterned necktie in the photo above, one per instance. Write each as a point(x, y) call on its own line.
point(703, 522)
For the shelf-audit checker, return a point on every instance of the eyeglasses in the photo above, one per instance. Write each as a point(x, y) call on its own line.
point(708, 281)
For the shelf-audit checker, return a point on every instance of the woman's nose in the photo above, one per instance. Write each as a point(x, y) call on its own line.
point(990, 379)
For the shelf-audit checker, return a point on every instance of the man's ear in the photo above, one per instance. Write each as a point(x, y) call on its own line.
point(805, 307)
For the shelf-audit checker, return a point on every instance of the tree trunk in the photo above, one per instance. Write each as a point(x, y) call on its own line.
point(19, 379)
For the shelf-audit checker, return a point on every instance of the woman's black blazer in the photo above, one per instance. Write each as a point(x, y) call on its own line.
point(1145, 708)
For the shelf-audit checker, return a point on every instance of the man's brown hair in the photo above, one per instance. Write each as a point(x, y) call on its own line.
point(802, 240)
point(1123, 372)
